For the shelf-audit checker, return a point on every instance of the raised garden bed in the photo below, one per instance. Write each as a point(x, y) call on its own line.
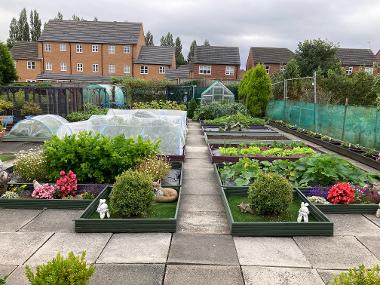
point(251, 129)
point(333, 146)
point(162, 219)
point(245, 224)
point(225, 137)
point(176, 157)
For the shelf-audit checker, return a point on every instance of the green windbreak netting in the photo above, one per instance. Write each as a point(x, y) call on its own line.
point(354, 124)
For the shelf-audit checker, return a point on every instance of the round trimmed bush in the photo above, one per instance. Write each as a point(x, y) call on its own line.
point(270, 194)
point(132, 194)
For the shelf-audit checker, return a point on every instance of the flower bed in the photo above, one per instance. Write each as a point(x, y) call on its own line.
point(225, 137)
point(163, 218)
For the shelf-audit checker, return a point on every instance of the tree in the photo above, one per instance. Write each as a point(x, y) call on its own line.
point(7, 68)
point(35, 25)
point(255, 90)
point(167, 40)
point(190, 56)
point(292, 70)
point(312, 55)
point(23, 27)
point(95, 19)
point(59, 16)
point(13, 33)
point(180, 60)
point(206, 43)
point(149, 39)
point(76, 18)
point(162, 41)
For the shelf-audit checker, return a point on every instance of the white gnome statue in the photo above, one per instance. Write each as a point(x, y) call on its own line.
point(103, 209)
point(378, 212)
point(303, 213)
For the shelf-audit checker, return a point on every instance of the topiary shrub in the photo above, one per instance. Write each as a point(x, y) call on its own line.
point(156, 167)
point(358, 276)
point(72, 270)
point(31, 164)
point(270, 194)
point(132, 194)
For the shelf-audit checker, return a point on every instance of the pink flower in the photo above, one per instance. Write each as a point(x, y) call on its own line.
point(62, 173)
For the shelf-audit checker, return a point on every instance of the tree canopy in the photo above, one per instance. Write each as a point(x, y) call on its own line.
point(190, 56)
point(149, 39)
point(7, 67)
point(180, 60)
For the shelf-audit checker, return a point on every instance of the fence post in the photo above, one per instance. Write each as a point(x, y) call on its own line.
point(285, 89)
point(376, 129)
point(344, 119)
point(315, 100)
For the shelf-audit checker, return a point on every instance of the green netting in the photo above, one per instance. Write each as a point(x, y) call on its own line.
point(354, 124)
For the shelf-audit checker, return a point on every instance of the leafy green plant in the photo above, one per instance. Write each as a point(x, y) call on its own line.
point(161, 104)
point(156, 167)
point(241, 173)
point(89, 110)
point(31, 108)
point(192, 105)
point(216, 110)
point(132, 194)
point(270, 194)
point(2, 280)
point(95, 157)
point(242, 119)
point(358, 276)
point(5, 105)
point(72, 270)
point(284, 151)
point(32, 164)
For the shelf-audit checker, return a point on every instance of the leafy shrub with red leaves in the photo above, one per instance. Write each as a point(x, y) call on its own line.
point(341, 193)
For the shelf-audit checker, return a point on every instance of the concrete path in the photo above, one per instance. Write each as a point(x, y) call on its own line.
point(201, 252)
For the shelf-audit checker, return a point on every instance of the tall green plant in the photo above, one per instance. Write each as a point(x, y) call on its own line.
point(7, 68)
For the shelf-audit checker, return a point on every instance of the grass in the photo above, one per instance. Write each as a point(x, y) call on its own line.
point(290, 216)
point(7, 156)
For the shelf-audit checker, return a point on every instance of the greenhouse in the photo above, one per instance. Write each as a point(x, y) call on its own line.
point(37, 128)
point(104, 95)
point(217, 92)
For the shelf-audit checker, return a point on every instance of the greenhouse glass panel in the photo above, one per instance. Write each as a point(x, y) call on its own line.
point(217, 92)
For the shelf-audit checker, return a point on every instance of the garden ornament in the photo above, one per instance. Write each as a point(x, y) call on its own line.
point(103, 209)
point(303, 213)
point(378, 212)
point(36, 184)
point(245, 208)
point(4, 178)
point(164, 195)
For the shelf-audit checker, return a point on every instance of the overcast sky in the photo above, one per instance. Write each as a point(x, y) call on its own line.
point(241, 23)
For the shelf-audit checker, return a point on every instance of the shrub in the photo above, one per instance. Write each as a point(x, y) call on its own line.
point(44, 191)
point(89, 110)
point(5, 105)
point(2, 281)
point(31, 164)
point(244, 120)
point(72, 270)
point(358, 276)
point(132, 194)
point(216, 110)
point(341, 193)
point(270, 194)
point(10, 195)
point(95, 157)
point(31, 108)
point(192, 105)
point(156, 167)
point(161, 104)
point(67, 183)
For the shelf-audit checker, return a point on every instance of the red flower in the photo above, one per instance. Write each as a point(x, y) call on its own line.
point(67, 183)
point(341, 193)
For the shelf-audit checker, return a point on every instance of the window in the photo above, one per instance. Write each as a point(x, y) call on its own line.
point(47, 47)
point(144, 69)
point(80, 67)
point(282, 67)
point(95, 67)
point(31, 65)
point(162, 69)
point(127, 49)
point(62, 47)
point(111, 49)
point(369, 70)
point(349, 70)
point(205, 69)
point(267, 68)
point(63, 66)
point(111, 68)
point(127, 69)
point(230, 70)
point(79, 48)
point(95, 48)
point(48, 66)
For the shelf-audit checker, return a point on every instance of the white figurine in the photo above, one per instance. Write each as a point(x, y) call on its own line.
point(303, 213)
point(103, 209)
point(378, 212)
point(36, 184)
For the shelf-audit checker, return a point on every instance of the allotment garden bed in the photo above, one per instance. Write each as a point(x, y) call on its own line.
point(225, 137)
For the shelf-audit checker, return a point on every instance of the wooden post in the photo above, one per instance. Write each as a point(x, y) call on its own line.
point(344, 119)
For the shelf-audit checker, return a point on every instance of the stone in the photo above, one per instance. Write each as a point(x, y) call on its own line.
point(12, 220)
point(327, 275)
point(373, 219)
point(136, 248)
point(5, 270)
point(18, 277)
point(353, 225)
point(269, 251)
point(372, 243)
point(201, 203)
point(203, 222)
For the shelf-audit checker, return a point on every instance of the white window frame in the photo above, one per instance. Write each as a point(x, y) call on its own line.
point(162, 69)
point(127, 49)
point(205, 69)
point(63, 66)
point(349, 70)
point(112, 68)
point(47, 47)
point(80, 67)
point(111, 49)
point(31, 65)
point(62, 47)
point(95, 48)
point(95, 67)
point(230, 70)
point(368, 69)
point(127, 69)
point(79, 48)
point(267, 68)
point(144, 69)
point(48, 66)
point(282, 67)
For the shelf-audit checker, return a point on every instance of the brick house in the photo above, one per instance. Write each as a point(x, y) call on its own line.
point(378, 56)
point(27, 61)
point(354, 60)
point(274, 59)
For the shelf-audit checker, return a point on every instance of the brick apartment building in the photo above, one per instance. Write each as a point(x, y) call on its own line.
point(90, 51)
point(354, 60)
point(274, 59)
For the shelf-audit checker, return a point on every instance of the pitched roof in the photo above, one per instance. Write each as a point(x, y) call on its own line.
point(91, 32)
point(155, 55)
point(216, 55)
point(24, 50)
point(352, 56)
point(182, 72)
point(271, 54)
point(73, 77)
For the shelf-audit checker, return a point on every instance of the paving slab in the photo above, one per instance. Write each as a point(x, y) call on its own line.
point(327, 275)
point(353, 225)
point(194, 130)
point(18, 277)
point(268, 251)
point(136, 274)
point(12, 220)
point(54, 221)
point(203, 274)
point(372, 243)
point(203, 222)
point(201, 203)
point(200, 187)
point(195, 140)
point(93, 244)
point(198, 165)
point(373, 219)
point(136, 248)
point(16, 248)
point(5, 270)
point(202, 249)
point(339, 252)
point(254, 275)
